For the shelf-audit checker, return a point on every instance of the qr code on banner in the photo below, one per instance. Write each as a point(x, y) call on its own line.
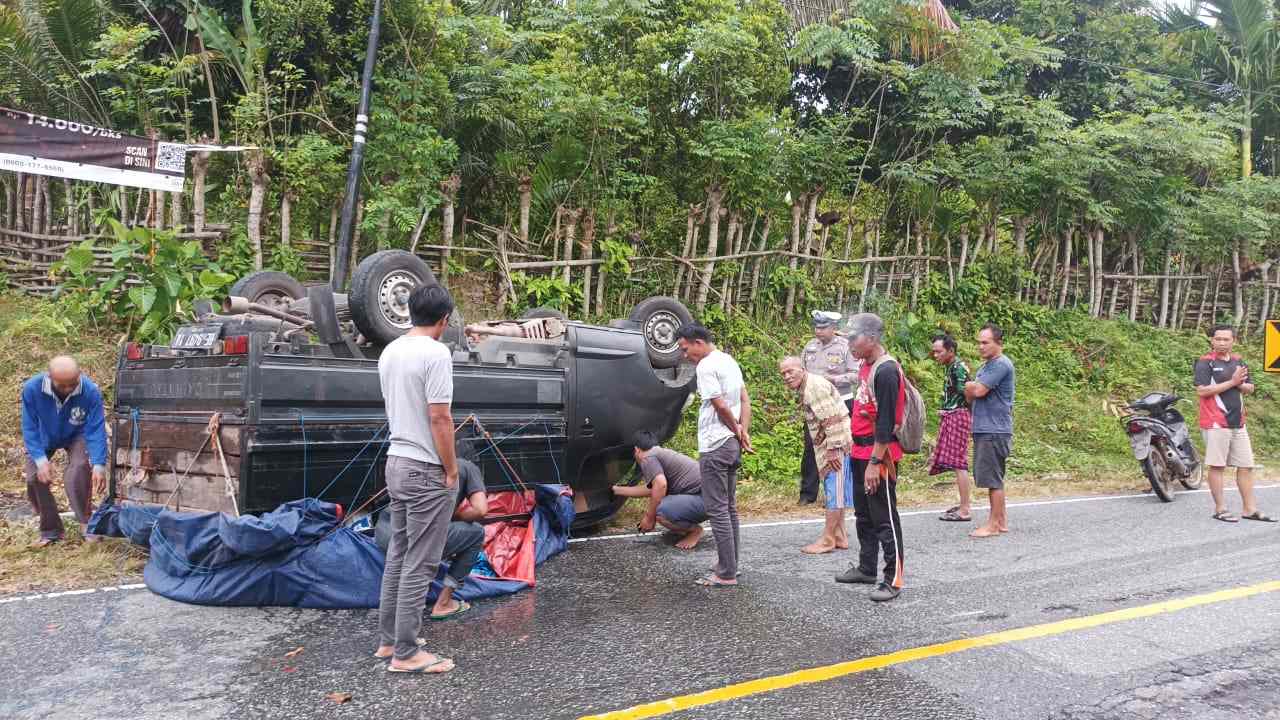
point(171, 157)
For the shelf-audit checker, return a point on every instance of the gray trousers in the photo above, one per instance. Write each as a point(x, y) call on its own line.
point(719, 470)
point(421, 506)
point(79, 489)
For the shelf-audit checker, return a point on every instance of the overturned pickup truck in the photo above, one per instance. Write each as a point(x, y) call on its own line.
point(276, 396)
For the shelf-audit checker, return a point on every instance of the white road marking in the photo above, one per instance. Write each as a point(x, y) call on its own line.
point(1030, 503)
point(65, 593)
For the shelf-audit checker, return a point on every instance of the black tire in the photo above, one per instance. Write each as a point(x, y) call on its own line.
point(1193, 481)
point(1158, 473)
point(544, 312)
point(269, 287)
point(380, 289)
point(659, 318)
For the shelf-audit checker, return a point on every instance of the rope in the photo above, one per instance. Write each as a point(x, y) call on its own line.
point(216, 427)
point(494, 443)
point(501, 456)
point(343, 471)
point(372, 466)
point(551, 453)
point(212, 428)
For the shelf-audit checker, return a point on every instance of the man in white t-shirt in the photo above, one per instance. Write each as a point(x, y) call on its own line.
point(416, 371)
point(723, 423)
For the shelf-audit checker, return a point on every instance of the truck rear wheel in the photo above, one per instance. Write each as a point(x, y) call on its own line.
point(379, 296)
point(659, 318)
point(269, 287)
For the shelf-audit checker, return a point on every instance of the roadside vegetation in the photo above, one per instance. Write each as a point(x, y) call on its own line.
point(1074, 373)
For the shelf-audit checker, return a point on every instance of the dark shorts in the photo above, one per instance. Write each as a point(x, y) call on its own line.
point(990, 454)
point(687, 510)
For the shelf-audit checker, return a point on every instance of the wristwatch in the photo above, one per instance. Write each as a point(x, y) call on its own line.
point(876, 461)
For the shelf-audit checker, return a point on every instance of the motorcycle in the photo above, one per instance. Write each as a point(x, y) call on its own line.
point(1161, 444)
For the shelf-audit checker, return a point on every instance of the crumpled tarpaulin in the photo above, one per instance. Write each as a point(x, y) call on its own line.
point(127, 521)
point(298, 555)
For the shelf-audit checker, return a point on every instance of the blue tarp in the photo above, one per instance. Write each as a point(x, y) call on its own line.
point(295, 556)
point(127, 521)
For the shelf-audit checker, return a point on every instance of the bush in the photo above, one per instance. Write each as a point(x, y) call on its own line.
point(154, 278)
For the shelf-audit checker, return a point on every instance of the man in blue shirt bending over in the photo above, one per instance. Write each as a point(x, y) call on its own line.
point(62, 410)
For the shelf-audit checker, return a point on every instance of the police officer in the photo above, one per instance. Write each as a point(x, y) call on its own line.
point(826, 355)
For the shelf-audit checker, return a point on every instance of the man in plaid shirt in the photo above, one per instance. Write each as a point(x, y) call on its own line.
point(827, 418)
point(952, 452)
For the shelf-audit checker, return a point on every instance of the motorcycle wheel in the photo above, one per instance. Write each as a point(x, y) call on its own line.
point(1193, 481)
point(1156, 468)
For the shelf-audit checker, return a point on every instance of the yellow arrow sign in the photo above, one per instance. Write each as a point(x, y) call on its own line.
point(1271, 348)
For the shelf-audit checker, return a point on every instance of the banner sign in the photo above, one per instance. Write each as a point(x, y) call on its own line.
point(42, 145)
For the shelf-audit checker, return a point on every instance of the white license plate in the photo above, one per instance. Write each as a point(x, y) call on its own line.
point(196, 337)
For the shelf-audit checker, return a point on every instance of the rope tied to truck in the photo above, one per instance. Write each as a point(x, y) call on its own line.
point(213, 432)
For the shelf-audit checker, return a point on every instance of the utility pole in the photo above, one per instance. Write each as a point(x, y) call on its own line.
point(339, 279)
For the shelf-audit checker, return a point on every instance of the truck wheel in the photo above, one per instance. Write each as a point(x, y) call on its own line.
point(544, 312)
point(659, 318)
point(269, 287)
point(379, 297)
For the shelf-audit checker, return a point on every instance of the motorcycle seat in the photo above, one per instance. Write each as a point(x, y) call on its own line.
point(1154, 402)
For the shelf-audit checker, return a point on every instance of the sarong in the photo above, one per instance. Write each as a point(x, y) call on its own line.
point(952, 452)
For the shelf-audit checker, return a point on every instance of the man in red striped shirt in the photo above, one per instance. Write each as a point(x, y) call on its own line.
point(1222, 380)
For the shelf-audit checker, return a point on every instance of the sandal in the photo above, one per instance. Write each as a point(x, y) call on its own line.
point(715, 581)
point(1259, 516)
point(463, 606)
point(1225, 516)
point(953, 515)
point(441, 665)
point(43, 543)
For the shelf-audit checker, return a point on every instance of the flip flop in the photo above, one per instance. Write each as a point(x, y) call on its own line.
point(1225, 516)
point(463, 606)
point(428, 669)
point(713, 581)
point(43, 543)
point(1259, 516)
point(953, 516)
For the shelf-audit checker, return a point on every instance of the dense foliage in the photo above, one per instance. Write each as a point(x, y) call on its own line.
point(1063, 137)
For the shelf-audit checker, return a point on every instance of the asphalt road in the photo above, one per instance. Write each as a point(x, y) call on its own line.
point(618, 623)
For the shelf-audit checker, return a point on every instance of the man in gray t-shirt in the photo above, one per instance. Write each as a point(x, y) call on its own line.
point(673, 485)
point(416, 372)
point(991, 396)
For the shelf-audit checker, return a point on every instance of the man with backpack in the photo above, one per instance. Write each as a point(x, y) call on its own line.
point(880, 428)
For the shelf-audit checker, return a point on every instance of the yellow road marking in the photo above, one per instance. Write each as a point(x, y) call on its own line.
point(830, 672)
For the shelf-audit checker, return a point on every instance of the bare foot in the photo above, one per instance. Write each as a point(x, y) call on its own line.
point(984, 532)
point(821, 547)
point(1004, 528)
point(842, 543)
point(691, 539)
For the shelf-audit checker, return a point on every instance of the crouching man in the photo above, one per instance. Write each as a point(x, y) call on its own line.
point(62, 410)
point(465, 538)
point(673, 485)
